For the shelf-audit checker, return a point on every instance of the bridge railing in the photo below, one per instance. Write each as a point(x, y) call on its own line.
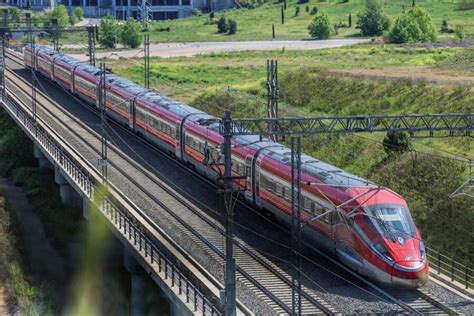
point(137, 235)
point(451, 268)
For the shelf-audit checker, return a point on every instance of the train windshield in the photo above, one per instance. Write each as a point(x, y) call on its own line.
point(393, 221)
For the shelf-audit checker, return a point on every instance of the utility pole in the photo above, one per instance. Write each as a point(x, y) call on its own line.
point(91, 43)
point(230, 292)
point(103, 162)
point(146, 48)
point(296, 224)
point(33, 69)
point(2, 55)
point(54, 23)
point(272, 91)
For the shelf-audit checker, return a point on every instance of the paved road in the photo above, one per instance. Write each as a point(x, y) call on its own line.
point(200, 48)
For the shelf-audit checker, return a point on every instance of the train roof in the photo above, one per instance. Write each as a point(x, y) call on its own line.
point(92, 70)
point(326, 173)
point(68, 60)
point(322, 171)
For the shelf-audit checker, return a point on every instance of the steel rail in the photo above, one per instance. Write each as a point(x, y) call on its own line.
point(257, 284)
point(126, 217)
point(400, 303)
point(165, 155)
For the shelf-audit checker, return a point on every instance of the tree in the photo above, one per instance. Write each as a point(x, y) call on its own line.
point(60, 13)
point(320, 28)
point(350, 20)
point(413, 27)
point(297, 11)
point(460, 32)
point(108, 32)
point(131, 33)
point(373, 21)
point(282, 16)
point(232, 27)
point(222, 26)
point(79, 13)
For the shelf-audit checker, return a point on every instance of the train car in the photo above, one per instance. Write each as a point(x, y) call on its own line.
point(64, 67)
point(367, 227)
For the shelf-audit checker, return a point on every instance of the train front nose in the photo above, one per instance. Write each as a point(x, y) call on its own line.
point(410, 274)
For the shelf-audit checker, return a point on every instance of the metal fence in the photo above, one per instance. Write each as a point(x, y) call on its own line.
point(132, 231)
point(453, 269)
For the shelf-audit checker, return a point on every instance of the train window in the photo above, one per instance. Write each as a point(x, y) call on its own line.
point(306, 204)
point(287, 193)
point(279, 189)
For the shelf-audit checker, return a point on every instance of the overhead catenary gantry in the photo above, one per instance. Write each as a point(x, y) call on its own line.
point(454, 124)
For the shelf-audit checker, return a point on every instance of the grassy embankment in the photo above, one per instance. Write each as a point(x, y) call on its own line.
point(425, 180)
point(28, 296)
point(62, 224)
point(256, 24)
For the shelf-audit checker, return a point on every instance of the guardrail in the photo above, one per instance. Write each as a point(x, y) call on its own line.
point(136, 234)
point(451, 268)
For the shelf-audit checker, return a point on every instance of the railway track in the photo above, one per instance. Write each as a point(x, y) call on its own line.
point(267, 280)
point(414, 302)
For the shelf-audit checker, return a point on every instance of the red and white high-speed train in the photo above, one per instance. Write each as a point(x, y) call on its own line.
point(367, 227)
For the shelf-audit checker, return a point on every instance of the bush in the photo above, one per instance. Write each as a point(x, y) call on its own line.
point(73, 20)
point(108, 32)
point(302, 1)
point(212, 15)
point(197, 12)
point(396, 143)
point(79, 13)
point(60, 13)
point(131, 33)
point(222, 26)
point(460, 32)
point(297, 11)
point(306, 8)
point(320, 28)
point(445, 27)
point(415, 26)
point(465, 4)
point(314, 11)
point(373, 22)
point(232, 27)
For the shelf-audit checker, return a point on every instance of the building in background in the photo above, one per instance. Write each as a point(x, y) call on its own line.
point(123, 9)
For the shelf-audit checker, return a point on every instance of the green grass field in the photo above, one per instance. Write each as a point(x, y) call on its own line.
point(309, 88)
point(256, 24)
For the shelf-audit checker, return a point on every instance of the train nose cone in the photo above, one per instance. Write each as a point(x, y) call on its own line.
point(409, 273)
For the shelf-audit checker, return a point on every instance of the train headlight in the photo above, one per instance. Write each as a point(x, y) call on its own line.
point(422, 250)
point(383, 251)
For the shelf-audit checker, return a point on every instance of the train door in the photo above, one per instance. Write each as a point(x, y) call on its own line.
point(343, 243)
point(256, 180)
point(248, 174)
point(180, 131)
point(132, 114)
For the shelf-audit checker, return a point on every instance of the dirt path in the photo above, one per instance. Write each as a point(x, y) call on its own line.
point(428, 74)
point(46, 263)
point(202, 48)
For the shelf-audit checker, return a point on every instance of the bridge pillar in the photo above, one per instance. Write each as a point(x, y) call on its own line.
point(86, 205)
point(137, 302)
point(67, 193)
point(43, 162)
